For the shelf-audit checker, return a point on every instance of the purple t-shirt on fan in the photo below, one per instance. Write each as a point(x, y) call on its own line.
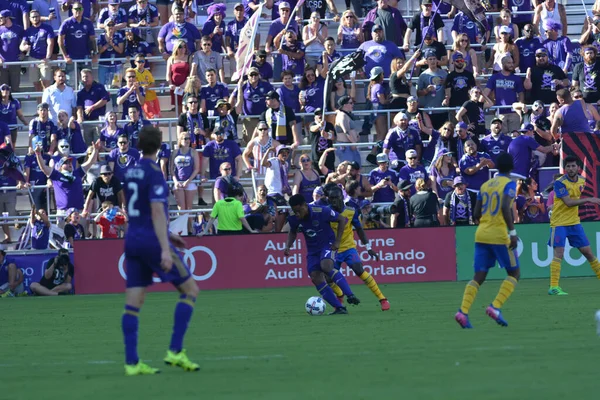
point(219, 153)
point(527, 49)
point(444, 184)
point(314, 95)
point(506, 89)
point(233, 30)
point(217, 40)
point(533, 212)
point(296, 65)
point(520, 149)
point(277, 26)
point(254, 97)
point(74, 137)
point(87, 8)
point(10, 40)
point(380, 54)
point(132, 130)
point(412, 174)
point(36, 175)
point(44, 130)
point(110, 140)
point(77, 37)
point(68, 189)
point(290, 97)
point(8, 112)
point(399, 141)
point(385, 194)
point(131, 101)
point(474, 181)
point(495, 147)
point(87, 98)
point(37, 38)
point(123, 161)
point(173, 31)
point(265, 70)
point(40, 235)
point(213, 94)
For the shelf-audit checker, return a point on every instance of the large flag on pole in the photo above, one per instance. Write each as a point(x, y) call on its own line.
point(244, 53)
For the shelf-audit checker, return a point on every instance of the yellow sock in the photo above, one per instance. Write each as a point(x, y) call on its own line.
point(596, 267)
point(469, 296)
point(371, 284)
point(506, 289)
point(336, 289)
point(555, 271)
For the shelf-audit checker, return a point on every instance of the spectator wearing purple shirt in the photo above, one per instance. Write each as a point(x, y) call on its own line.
point(42, 127)
point(113, 12)
point(135, 124)
point(77, 38)
point(463, 24)
point(249, 7)
point(475, 166)
point(111, 132)
point(34, 176)
point(122, 158)
point(111, 45)
point(560, 49)
point(178, 29)
point(132, 95)
point(67, 183)
point(260, 63)
point(521, 149)
point(11, 36)
point(289, 93)
point(215, 27)
point(90, 8)
point(254, 92)
point(380, 52)
point(312, 87)
point(91, 104)
point(212, 92)
point(383, 180)
point(527, 45)
point(530, 204)
point(143, 16)
point(412, 170)
point(508, 89)
point(20, 12)
point(219, 151)
point(232, 34)
point(276, 32)
point(496, 142)
point(402, 138)
point(38, 42)
point(292, 54)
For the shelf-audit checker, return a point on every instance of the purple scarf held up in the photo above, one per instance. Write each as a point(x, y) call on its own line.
point(285, 185)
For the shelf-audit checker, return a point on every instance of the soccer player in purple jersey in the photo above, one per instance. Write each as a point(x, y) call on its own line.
point(321, 244)
point(149, 249)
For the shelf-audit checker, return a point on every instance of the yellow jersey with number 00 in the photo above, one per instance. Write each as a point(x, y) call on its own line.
point(492, 228)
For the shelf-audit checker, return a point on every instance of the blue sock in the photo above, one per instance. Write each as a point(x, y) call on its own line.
point(328, 295)
point(129, 324)
point(183, 314)
point(337, 277)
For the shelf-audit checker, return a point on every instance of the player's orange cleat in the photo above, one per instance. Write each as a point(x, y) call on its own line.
point(385, 305)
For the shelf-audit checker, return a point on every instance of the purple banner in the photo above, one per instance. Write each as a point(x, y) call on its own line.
point(33, 264)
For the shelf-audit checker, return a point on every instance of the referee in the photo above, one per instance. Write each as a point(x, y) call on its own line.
point(229, 213)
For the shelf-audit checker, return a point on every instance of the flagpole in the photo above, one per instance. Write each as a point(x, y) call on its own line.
point(412, 70)
point(250, 50)
point(585, 8)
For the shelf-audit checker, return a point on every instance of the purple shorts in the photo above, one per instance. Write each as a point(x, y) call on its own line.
point(143, 262)
point(313, 261)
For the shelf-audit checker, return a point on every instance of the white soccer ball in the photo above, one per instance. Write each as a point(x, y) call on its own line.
point(315, 306)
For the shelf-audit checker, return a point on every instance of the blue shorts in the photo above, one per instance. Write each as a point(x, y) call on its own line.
point(349, 257)
point(142, 263)
point(486, 256)
point(575, 234)
point(313, 261)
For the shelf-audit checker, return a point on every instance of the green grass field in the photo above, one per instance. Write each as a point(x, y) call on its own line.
point(260, 344)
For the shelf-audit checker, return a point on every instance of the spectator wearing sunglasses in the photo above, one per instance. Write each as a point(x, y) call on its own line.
point(143, 16)
point(264, 68)
point(111, 45)
point(106, 187)
point(122, 158)
point(413, 170)
point(205, 59)
point(349, 34)
point(89, 9)
point(38, 43)
point(77, 38)
point(113, 12)
point(132, 95)
point(544, 79)
point(527, 45)
point(560, 48)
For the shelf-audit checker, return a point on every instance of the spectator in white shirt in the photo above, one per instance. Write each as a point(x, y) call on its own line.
point(276, 180)
point(60, 96)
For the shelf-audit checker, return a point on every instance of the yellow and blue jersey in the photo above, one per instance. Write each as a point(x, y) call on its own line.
point(561, 214)
point(348, 236)
point(492, 228)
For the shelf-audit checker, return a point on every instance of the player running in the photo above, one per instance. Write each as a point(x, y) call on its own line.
point(492, 243)
point(321, 245)
point(565, 222)
point(347, 252)
point(149, 249)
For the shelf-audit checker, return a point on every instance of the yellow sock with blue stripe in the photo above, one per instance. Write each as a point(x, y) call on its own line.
point(336, 289)
point(555, 271)
point(371, 284)
point(469, 296)
point(596, 267)
point(506, 289)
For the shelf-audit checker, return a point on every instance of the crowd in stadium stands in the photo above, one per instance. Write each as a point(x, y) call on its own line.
point(426, 167)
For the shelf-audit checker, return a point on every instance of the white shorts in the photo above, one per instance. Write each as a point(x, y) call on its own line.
point(190, 187)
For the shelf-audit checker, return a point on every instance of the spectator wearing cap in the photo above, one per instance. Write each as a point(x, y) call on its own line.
point(383, 180)
point(212, 93)
point(292, 53)
point(34, 176)
point(560, 48)
point(413, 170)
point(347, 130)
point(67, 183)
point(472, 111)
point(176, 30)
point(458, 84)
point(11, 36)
point(523, 147)
point(206, 58)
point(276, 33)
point(113, 12)
point(49, 13)
point(38, 43)
point(496, 142)
point(503, 48)
point(260, 143)
point(460, 138)
point(73, 229)
point(143, 17)
point(232, 34)
point(508, 89)
point(424, 205)
point(123, 158)
point(430, 43)
point(402, 137)
point(379, 51)
point(106, 187)
point(459, 204)
point(225, 119)
point(421, 21)
point(527, 46)
point(390, 21)
point(218, 151)
point(474, 166)
point(403, 218)
point(215, 27)
point(42, 127)
point(544, 79)
point(253, 91)
point(281, 120)
point(276, 179)
point(60, 96)
point(442, 172)
point(586, 75)
point(430, 89)
point(549, 10)
point(111, 45)
point(262, 65)
point(322, 135)
point(77, 38)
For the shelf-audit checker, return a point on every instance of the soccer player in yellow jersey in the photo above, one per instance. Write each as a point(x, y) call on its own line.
point(495, 240)
point(565, 223)
point(347, 252)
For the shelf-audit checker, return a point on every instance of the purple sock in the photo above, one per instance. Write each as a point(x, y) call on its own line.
point(328, 295)
point(129, 324)
point(183, 314)
point(337, 277)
